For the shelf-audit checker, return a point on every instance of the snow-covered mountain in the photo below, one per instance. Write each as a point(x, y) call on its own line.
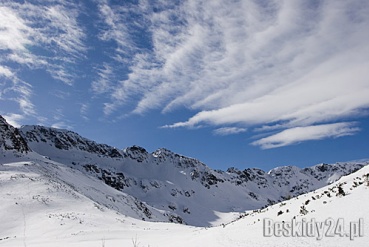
point(77, 187)
point(185, 186)
point(45, 203)
point(165, 186)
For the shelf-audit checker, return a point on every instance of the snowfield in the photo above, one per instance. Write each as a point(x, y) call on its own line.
point(43, 203)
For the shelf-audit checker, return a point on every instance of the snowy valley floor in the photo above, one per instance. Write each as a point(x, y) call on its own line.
point(41, 210)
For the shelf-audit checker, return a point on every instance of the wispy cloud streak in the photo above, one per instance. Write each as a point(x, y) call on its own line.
point(299, 134)
point(257, 65)
point(38, 35)
point(294, 63)
point(229, 131)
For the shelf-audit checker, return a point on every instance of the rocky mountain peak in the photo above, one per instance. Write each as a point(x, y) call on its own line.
point(65, 140)
point(136, 153)
point(10, 138)
point(165, 155)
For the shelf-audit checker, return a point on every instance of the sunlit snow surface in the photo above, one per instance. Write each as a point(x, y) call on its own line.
point(44, 203)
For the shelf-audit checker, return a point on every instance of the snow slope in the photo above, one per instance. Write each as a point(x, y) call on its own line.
point(39, 209)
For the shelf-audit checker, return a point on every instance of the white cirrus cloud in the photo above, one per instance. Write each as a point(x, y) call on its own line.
point(6, 72)
point(103, 83)
point(116, 29)
point(21, 93)
point(84, 111)
point(53, 28)
point(42, 35)
point(258, 65)
point(14, 31)
point(308, 133)
point(280, 65)
point(209, 55)
point(229, 131)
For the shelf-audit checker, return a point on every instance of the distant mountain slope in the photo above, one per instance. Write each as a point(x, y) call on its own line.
point(166, 186)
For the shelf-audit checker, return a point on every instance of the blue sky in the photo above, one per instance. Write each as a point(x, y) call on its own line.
point(232, 83)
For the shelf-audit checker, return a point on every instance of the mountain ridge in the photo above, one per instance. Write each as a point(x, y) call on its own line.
point(183, 189)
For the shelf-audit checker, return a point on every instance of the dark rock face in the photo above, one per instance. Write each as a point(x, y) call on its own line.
point(10, 138)
point(175, 219)
point(142, 207)
point(115, 180)
point(165, 155)
point(209, 179)
point(67, 140)
point(249, 175)
point(323, 171)
point(136, 153)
